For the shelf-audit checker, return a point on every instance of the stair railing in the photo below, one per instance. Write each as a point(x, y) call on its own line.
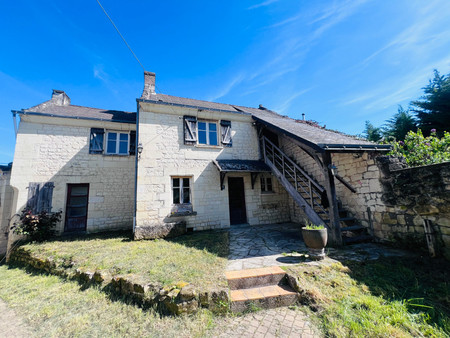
point(302, 182)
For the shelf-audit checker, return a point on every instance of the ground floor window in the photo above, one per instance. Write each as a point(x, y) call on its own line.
point(181, 190)
point(266, 184)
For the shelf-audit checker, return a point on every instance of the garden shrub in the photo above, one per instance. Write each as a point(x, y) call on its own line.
point(419, 150)
point(37, 227)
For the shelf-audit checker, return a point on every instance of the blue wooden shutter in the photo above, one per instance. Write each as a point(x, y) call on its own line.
point(225, 129)
point(132, 142)
point(190, 129)
point(96, 141)
point(40, 197)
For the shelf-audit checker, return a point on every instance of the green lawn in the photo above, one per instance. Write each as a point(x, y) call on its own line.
point(398, 297)
point(53, 307)
point(198, 258)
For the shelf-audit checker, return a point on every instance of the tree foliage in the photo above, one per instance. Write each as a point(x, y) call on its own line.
point(399, 125)
point(433, 109)
point(372, 133)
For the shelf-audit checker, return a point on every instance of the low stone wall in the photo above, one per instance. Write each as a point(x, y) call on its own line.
point(411, 196)
point(172, 300)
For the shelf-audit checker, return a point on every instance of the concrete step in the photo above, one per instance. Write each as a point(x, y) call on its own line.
point(250, 278)
point(266, 297)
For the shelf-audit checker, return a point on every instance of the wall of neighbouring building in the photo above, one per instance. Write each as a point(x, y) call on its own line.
point(56, 150)
point(6, 200)
point(165, 155)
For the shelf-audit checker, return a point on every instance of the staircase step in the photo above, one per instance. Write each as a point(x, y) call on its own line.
point(353, 228)
point(266, 297)
point(356, 239)
point(250, 278)
point(343, 219)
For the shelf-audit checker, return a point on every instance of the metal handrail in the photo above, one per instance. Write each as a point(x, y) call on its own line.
point(289, 167)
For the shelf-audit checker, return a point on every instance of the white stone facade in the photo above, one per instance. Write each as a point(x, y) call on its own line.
point(165, 156)
point(52, 149)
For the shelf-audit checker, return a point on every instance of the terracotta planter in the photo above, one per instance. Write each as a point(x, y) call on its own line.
point(315, 240)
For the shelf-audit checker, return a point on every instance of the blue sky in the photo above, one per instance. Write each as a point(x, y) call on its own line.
point(339, 62)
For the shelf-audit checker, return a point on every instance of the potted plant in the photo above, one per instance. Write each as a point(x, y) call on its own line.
point(315, 238)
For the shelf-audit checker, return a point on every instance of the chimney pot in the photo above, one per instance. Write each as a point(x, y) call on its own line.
point(149, 85)
point(60, 98)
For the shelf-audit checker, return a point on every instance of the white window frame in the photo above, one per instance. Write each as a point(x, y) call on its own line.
point(117, 143)
point(264, 185)
point(208, 141)
point(181, 188)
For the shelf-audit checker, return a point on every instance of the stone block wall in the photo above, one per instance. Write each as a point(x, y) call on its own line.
point(165, 156)
point(57, 150)
point(411, 196)
point(6, 199)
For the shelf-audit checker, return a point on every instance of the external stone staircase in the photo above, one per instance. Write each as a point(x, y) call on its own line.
point(310, 195)
point(262, 288)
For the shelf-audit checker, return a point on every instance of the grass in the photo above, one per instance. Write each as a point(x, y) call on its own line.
point(56, 308)
point(396, 297)
point(198, 258)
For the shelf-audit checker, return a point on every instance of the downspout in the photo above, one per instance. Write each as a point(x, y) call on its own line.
point(136, 167)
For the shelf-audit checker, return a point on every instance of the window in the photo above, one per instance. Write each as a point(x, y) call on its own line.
point(117, 143)
point(181, 190)
point(207, 133)
point(40, 197)
point(266, 184)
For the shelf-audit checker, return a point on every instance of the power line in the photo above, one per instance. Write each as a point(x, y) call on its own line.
point(117, 29)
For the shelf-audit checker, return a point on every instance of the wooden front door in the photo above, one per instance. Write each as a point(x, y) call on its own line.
point(76, 207)
point(236, 199)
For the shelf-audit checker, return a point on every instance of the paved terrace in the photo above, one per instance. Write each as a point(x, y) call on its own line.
point(256, 246)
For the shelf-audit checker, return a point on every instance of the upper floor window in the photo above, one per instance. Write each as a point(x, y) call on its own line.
point(207, 133)
point(115, 142)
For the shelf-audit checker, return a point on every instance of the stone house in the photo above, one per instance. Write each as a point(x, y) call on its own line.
point(181, 164)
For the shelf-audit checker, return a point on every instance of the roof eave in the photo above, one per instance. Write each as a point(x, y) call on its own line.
point(192, 107)
point(22, 112)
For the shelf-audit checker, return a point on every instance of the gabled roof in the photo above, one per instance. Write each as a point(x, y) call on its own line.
point(59, 106)
point(304, 131)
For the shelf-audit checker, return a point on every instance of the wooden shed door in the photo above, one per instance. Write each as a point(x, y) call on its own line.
point(236, 198)
point(76, 207)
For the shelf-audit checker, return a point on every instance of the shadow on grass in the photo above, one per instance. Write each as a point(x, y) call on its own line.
point(213, 241)
point(421, 283)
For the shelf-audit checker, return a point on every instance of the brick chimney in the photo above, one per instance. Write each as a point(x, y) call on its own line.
point(60, 98)
point(149, 86)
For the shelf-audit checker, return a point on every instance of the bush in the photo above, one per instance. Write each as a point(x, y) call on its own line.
point(419, 150)
point(38, 227)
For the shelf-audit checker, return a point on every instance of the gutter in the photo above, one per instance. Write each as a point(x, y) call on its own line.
point(136, 154)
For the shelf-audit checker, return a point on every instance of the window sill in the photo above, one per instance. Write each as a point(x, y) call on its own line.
point(183, 213)
point(208, 146)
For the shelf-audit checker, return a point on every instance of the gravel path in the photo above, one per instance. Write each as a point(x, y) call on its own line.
point(12, 325)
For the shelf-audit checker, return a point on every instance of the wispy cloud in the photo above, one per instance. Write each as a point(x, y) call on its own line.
point(288, 100)
point(263, 4)
point(227, 87)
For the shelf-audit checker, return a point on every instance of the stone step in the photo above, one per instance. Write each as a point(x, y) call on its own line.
point(356, 227)
point(357, 239)
point(266, 297)
point(250, 278)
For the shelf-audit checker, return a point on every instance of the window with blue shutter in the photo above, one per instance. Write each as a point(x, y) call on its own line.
point(40, 197)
